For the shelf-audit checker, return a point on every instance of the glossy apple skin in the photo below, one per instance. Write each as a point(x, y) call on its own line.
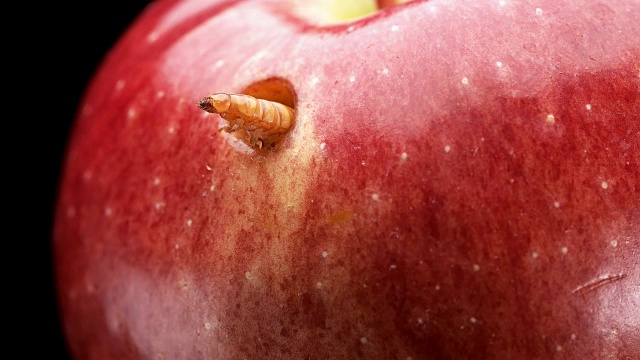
point(463, 181)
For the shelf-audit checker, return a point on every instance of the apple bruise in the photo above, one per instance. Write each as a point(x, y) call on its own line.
point(265, 122)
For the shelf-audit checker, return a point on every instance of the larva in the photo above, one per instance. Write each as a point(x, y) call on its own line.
point(266, 122)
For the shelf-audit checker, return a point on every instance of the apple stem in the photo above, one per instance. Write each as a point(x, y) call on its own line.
point(266, 122)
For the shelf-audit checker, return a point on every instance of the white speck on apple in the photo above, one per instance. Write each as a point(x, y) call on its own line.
point(534, 254)
point(108, 211)
point(350, 28)
point(558, 348)
point(447, 148)
point(322, 146)
point(512, 180)
point(420, 321)
point(363, 340)
point(212, 187)
point(395, 28)
point(604, 185)
point(551, 119)
point(404, 156)
point(325, 254)
point(385, 71)
point(613, 243)
point(502, 3)
point(71, 212)
point(87, 110)
point(209, 168)
point(131, 113)
point(437, 287)
point(363, 163)
point(189, 222)
point(573, 336)
point(393, 267)
point(159, 205)
point(473, 320)
point(556, 204)
point(352, 78)
point(219, 63)
point(538, 11)
point(120, 85)
point(207, 326)
point(314, 81)
point(152, 37)
point(87, 175)
point(247, 275)
point(476, 267)
point(156, 181)
point(588, 107)
point(498, 64)
point(564, 250)
point(465, 81)
point(160, 94)
point(90, 287)
point(375, 197)
point(171, 130)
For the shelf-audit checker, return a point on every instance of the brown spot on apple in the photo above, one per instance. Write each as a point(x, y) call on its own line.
point(340, 216)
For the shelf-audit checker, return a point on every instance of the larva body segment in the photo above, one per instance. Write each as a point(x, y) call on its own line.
point(265, 122)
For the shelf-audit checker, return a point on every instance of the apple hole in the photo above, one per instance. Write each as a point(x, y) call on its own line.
point(273, 89)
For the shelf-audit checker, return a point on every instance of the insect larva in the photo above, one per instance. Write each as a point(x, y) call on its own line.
point(266, 122)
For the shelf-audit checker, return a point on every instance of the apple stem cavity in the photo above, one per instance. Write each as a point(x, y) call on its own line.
point(331, 12)
point(264, 122)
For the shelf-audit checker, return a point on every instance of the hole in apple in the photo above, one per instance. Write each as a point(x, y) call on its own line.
point(277, 90)
point(332, 12)
point(273, 89)
point(260, 116)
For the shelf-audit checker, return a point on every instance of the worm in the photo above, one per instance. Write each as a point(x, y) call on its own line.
point(266, 122)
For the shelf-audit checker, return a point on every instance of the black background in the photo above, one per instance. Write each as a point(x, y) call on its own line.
point(55, 48)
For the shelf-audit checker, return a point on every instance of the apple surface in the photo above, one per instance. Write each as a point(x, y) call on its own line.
point(462, 181)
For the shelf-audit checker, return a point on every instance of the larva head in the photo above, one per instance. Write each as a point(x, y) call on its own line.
point(216, 103)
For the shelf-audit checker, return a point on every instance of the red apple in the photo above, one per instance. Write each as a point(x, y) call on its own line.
point(462, 181)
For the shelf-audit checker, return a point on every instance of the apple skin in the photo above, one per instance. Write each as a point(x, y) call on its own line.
point(463, 181)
